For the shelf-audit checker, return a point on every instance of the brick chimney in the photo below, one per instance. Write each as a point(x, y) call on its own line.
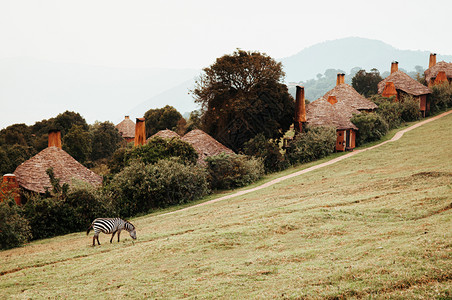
point(394, 66)
point(390, 90)
point(140, 132)
point(10, 187)
point(440, 77)
point(126, 118)
point(432, 60)
point(54, 138)
point(300, 109)
point(332, 99)
point(340, 78)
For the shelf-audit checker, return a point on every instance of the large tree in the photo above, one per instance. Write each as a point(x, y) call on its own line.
point(161, 118)
point(366, 83)
point(241, 95)
point(105, 140)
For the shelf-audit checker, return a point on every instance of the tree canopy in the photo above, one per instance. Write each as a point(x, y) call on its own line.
point(366, 83)
point(161, 118)
point(241, 95)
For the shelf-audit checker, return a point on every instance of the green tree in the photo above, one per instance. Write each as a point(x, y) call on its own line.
point(366, 83)
point(105, 140)
point(65, 121)
point(194, 121)
point(161, 118)
point(77, 142)
point(16, 134)
point(242, 95)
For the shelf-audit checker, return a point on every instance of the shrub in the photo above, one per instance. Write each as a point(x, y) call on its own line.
point(158, 148)
point(312, 144)
point(175, 183)
point(268, 150)
point(140, 187)
point(372, 127)
point(441, 97)
point(49, 216)
point(129, 191)
point(62, 211)
point(87, 204)
point(231, 171)
point(14, 228)
point(409, 109)
point(389, 110)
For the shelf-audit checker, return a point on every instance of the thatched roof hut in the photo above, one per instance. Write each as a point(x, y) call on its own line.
point(127, 129)
point(322, 113)
point(348, 99)
point(165, 134)
point(204, 144)
point(326, 112)
point(432, 72)
point(32, 175)
point(404, 83)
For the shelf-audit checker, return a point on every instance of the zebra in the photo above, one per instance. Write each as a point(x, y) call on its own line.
point(111, 225)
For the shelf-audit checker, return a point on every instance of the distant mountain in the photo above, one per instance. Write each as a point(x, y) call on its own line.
point(351, 52)
point(32, 90)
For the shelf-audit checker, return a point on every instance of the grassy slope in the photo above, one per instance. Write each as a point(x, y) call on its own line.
point(376, 224)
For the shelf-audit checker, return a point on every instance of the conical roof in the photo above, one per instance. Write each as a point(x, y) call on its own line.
point(405, 83)
point(126, 128)
point(322, 113)
point(165, 134)
point(441, 66)
point(32, 175)
point(204, 144)
point(349, 100)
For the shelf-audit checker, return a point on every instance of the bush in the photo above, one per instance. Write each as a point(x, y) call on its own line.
point(409, 109)
point(88, 203)
point(389, 110)
point(441, 97)
point(268, 150)
point(140, 187)
point(14, 228)
point(232, 171)
point(158, 148)
point(312, 144)
point(372, 127)
point(62, 211)
point(129, 191)
point(175, 183)
point(49, 217)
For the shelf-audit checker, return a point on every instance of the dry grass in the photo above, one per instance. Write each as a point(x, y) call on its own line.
point(376, 225)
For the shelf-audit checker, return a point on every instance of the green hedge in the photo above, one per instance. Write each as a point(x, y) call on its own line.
point(372, 127)
point(232, 171)
point(312, 144)
point(141, 187)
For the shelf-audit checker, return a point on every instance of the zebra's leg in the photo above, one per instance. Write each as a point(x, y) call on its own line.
point(119, 231)
point(97, 237)
point(94, 240)
point(112, 235)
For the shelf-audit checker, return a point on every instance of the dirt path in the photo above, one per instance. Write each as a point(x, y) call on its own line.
point(396, 137)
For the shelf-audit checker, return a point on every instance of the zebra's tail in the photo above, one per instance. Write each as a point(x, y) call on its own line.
point(89, 229)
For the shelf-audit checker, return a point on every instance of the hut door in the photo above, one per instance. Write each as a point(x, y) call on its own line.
point(347, 138)
point(340, 140)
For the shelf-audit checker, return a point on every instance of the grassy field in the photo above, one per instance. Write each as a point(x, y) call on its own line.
point(375, 225)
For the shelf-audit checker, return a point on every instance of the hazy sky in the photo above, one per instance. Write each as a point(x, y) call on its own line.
point(180, 34)
point(192, 33)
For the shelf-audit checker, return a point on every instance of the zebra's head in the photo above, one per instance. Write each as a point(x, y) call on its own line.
point(132, 231)
point(133, 234)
